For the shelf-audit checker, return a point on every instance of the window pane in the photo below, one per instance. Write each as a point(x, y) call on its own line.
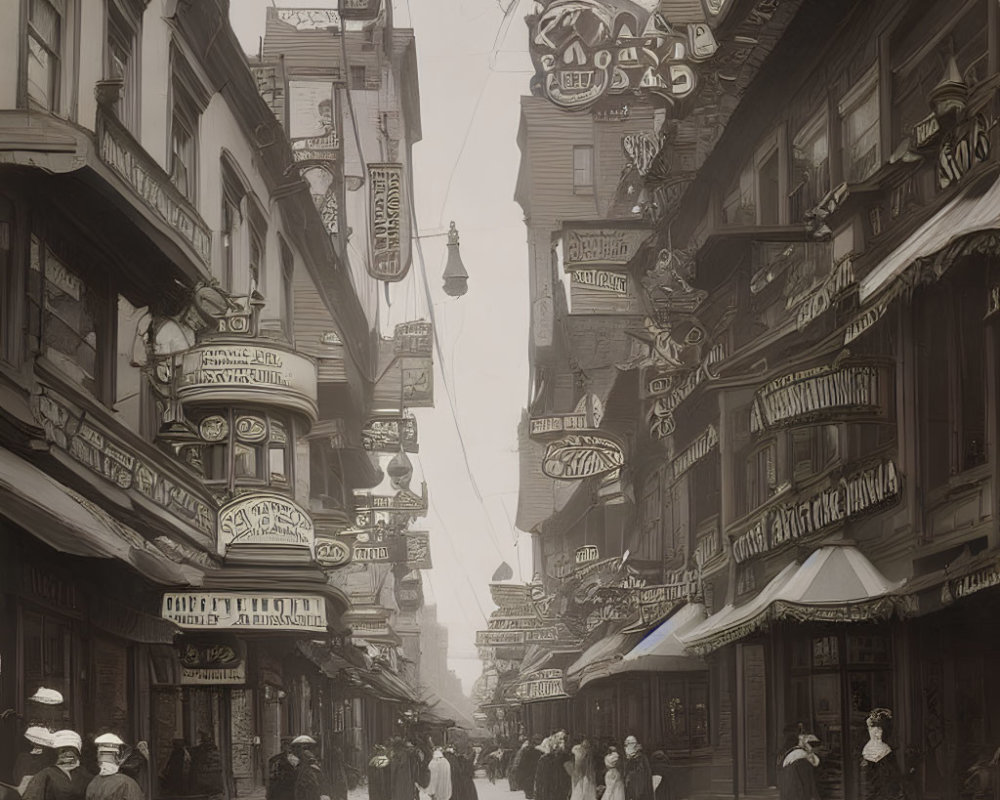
point(71, 312)
point(276, 464)
point(245, 461)
point(861, 138)
point(41, 74)
point(44, 18)
point(583, 160)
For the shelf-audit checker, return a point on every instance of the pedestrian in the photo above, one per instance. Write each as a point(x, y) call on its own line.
point(552, 780)
point(880, 776)
point(581, 772)
point(527, 766)
point(463, 772)
point(66, 779)
point(41, 755)
point(513, 773)
point(379, 775)
point(311, 783)
point(403, 777)
point(176, 773)
point(135, 764)
point(659, 765)
point(206, 766)
point(109, 783)
point(439, 787)
point(636, 772)
point(797, 771)
point(281, 769)
point(614, 784)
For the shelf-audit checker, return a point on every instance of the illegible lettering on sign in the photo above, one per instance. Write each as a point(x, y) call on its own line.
point(605, 246)
point(586, 554)
point(541, 685)
point(385, 183)
point(696, 451)
point(582, 455)
point(245, 610)
point(805, 395)
point(264, 519)
point(332, 552)
point(970, 584)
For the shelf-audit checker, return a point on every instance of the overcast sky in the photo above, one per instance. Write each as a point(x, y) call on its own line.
point(473, 66)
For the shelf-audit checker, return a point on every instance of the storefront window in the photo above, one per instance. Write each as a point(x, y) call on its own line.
point(48, 663)
point(685, 714)
point(245, 449)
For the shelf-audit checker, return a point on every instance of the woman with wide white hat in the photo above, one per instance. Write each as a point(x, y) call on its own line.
point(110, 784)
point(66, 779)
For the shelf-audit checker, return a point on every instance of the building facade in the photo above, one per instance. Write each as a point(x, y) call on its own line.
point(189, 371)
point(813, 398)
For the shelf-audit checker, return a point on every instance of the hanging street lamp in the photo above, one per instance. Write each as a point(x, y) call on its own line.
point(456, 279)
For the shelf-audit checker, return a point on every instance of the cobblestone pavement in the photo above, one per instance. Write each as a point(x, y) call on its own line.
point(485, 789)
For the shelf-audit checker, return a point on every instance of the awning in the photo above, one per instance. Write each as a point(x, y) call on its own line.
point(323, 656)
point(972, 211)
point(837, 583)
point(70, 523)
point(964, 576)
point(387, 686)
point(598, 659)
point(662, 650)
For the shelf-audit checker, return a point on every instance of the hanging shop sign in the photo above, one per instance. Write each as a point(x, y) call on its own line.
point(541, 685)
point(514, 623)
point(587, 415)
point(418, 550)
point(308, 19)
point(602, 291)
point(371, 553)
point(816, 393)
point(112, 459)
point(214, 676)
point(254, 374)
point(509, 594)
point(264, 519)
point(204, 663)
point(848, 498)
point(586, 555)
point(583, 455)
point(360, 9)
point(413, 339)
point(311, 125)
point(970, 584)
point(245, 610)
point(695, 452)
point(588, 246)
point(679, 388)
point(385, 182)
point(331, 551)
point(497, 638)
point(390, 435)
point(154, 188)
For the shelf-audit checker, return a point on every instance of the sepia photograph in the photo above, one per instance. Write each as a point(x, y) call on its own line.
point(499, 399)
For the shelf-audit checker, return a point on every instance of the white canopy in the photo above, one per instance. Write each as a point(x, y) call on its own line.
point(662, 650)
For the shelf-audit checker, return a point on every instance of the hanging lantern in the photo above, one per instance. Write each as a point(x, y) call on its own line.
point(456, 279)
point(400, 470)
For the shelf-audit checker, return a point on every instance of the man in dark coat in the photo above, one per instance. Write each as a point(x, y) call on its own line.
point(528, 765)
point(463, 786)
point(403, 775)
point(552, 781)
point(660, 766)
point(281, 772)
point(311, 783)
point(636, 772)
point(379, 775)
point(67, 779)
point(797, 773)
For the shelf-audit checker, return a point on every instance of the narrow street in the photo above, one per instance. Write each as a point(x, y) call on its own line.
point(484, 789)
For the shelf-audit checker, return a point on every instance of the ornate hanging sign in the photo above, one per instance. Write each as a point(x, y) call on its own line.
point(332, 552)
point(583, 455)
point(603, 244)
point(586, 416)
point(264, 519)
point(385, 182)
point(245, 610)
point(543, 684)
point(418, 550)
point(366, 10)
point(695, 452)
point(390, 435)
point(586, 555)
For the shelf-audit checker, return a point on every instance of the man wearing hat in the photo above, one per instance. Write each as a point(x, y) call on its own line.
point(311, 782)
point(797, 775)
point(66, 779)
point(110, 784)
point(281, 772)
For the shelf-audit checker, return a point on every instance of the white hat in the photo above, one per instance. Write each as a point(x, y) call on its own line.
point(303, 739)
point(62, 739)
point(49, 697)
point(108, 741)
point(38, 735)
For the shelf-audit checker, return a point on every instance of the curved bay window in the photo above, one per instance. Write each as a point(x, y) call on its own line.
point(243, 448)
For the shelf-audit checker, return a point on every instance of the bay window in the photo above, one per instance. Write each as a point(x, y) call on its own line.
point(243, 448)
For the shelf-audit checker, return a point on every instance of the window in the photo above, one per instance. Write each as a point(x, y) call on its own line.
point(813, 449)
point(184, 141)
point(46, 29)
point(69, 319)
point(244, 448)
point(810, 166)
point(652, 511)
point(257, 233)
point(583, 169)
point(123, 63)
point(760, 476)
point(705, 488)
point(951, 358)
point(357, 76)
point(232, 226)
point(768, 191)
point(48, 662)
point(7, 294)
point(287, 295)
point(685, 713)
point(859, 113)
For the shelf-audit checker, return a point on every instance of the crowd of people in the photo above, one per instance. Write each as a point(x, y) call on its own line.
point(402, 770)
point(551, 769)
